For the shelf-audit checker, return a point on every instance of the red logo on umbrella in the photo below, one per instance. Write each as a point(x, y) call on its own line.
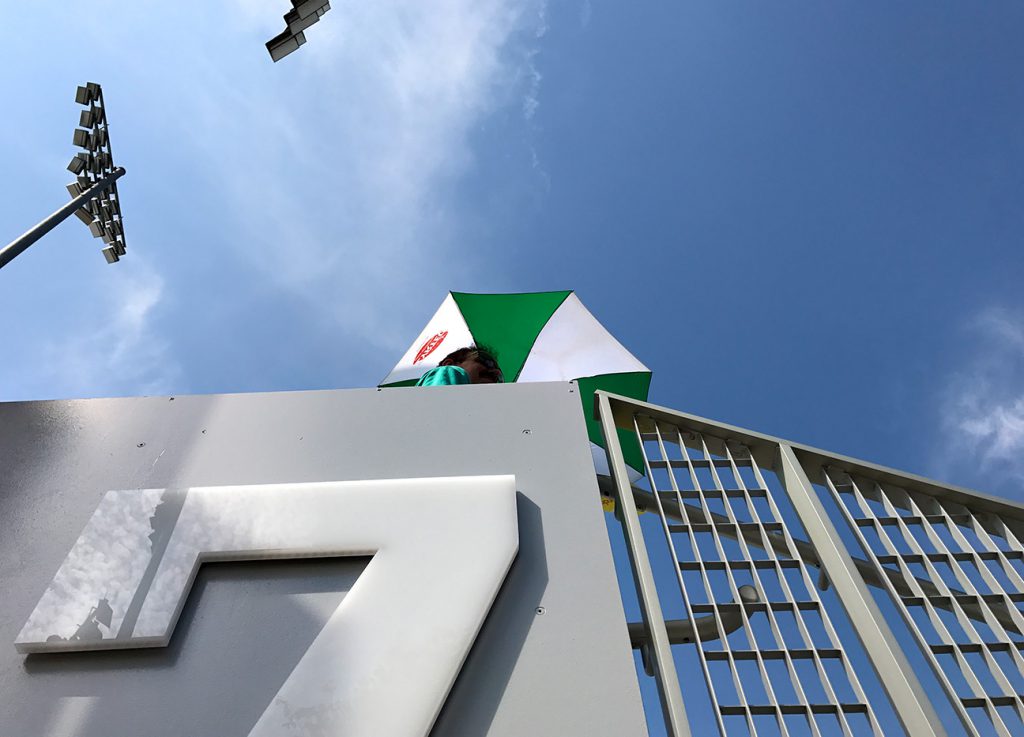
point(430, 345)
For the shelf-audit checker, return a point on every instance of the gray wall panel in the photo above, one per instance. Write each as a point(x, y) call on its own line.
point(567, 671)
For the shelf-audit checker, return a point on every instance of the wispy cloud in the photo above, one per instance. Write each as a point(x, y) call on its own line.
point(531, 97)
point(586, 13)
point(983, 403)
point(321, 192)
point(116, 349)
point(109, 344)
point(338, 164)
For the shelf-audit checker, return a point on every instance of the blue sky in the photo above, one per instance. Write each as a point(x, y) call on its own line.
point(805, 218)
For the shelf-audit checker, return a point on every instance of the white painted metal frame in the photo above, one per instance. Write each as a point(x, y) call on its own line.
point(970, 579)
point(660, 651)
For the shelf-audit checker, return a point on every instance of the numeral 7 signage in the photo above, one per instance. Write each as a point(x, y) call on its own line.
point(388, 655)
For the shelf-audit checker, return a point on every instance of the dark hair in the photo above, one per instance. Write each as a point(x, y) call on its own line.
point(463, 353)
point(482, 351)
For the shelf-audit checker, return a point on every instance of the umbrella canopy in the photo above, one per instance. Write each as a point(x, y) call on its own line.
point(538, 336)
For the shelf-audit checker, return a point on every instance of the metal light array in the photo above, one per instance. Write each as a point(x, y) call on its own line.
point(103, 214)
point(303, 14)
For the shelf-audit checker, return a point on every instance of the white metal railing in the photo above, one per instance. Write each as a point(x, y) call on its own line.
point(732, 507)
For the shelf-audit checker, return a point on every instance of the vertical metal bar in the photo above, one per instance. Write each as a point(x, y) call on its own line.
point(650, 606)
point(755, 646)
point(969, 589)
point(809, 585)
point(777, 571)
point(990, 620)
point(909, 699)
point(936, 622)
point(706, 580)
point(110, 152)
point(712, 693)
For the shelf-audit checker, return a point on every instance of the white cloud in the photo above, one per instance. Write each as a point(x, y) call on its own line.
point(114, 348)
point(1001, 427)
point(983, 404)
point(531, 98)
point(322, 188)
point(338, 163)
point(100, 342)
point(586, 13)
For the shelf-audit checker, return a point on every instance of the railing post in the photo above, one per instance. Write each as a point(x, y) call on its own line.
point(912, 705)
point(650, 606)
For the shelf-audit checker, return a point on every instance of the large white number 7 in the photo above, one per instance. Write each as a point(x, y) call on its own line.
point(387, 657)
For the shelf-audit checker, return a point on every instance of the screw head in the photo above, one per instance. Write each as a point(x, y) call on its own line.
point(541, 610)
point(527, 431)
point(141, 445)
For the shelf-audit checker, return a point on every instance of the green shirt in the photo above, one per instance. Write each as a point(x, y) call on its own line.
point(444, 376)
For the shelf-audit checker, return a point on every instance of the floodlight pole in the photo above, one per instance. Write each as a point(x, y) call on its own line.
point(19, 245)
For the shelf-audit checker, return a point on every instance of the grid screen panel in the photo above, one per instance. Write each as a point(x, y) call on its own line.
point(960, 589)
point(771, 660)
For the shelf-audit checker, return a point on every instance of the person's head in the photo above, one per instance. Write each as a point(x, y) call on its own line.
point(478, 362)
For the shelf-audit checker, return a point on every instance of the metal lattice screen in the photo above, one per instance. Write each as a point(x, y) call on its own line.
point(962, 593)
point(784, 657)
point(815, 591)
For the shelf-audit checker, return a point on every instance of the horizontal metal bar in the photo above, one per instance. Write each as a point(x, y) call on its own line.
point(773, 709)
point(697, 515)
point(799, 653)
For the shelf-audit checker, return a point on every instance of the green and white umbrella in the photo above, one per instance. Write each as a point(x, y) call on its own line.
point(539, 336)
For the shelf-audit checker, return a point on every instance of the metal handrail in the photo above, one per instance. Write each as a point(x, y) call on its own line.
point(813, 460)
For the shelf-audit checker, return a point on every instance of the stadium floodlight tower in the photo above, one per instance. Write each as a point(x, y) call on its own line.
point(94, 192)
point(303, 14)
